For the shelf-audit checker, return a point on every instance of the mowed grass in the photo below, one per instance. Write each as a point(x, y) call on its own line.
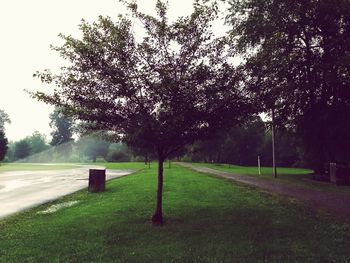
point(5, 167)
point(207, 220)
point(125, 165)
point(295, 176)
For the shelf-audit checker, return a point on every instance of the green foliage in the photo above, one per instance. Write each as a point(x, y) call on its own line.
point(37, 142)
point(296, 63)
point(63, 127)
point(143, 91)
point(93, 147)
point(4, 118)
point(163, 92)
point(21, 149)
point(239, 144)
point(3, 145)
point(118, 152)
point(210, 220)
point(30, 146)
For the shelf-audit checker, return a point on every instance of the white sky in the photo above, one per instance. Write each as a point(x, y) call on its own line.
point(27, 28)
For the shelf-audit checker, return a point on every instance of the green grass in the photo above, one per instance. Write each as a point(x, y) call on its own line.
point(126, 165)
point(207, 220)
point(34, 167)
point(294, 176)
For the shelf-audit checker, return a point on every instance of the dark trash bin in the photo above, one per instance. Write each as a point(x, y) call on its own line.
point(97, 180)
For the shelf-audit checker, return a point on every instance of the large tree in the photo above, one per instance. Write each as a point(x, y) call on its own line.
point(297, 56)
point(168, 89)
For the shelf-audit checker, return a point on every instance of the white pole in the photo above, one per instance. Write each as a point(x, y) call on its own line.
point(273, 144)
point(259, 168)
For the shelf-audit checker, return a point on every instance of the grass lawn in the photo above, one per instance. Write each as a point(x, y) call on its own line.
point(207, 220)
point(295, 176)
point(125, 165)
point(34, 167)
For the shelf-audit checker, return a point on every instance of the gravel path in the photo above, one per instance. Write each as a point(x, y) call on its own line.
point(335, 203)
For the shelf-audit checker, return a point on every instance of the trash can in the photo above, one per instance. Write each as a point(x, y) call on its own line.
point(97, 180)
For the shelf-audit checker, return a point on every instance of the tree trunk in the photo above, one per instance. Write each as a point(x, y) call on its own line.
point(146, 159)
point(157, 218)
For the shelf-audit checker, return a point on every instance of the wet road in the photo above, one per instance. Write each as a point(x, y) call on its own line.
point(20, 190)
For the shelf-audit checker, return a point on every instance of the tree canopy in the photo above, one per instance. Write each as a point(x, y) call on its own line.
point(168, 89)
point(62, 125)
point(297, 63)
point(4, 118)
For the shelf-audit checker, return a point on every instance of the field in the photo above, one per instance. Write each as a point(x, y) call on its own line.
point(207, 220)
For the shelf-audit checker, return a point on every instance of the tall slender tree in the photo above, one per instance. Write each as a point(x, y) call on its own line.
point(163, 91)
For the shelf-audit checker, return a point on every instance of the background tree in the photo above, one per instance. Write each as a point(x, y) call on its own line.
point(172, 87)
point(21, 149)
point(297, 63)
point(93, 147)
point(3, 145)
point(239, 145)
point(118, 152)
point(4, 118)
point(37, 142)
point(63, 127)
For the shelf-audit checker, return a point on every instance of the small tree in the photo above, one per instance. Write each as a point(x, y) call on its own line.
point(167, 90)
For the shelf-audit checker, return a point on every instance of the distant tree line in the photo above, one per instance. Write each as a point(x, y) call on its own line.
point(62, 147)
point(241, 145)
point(35, 148)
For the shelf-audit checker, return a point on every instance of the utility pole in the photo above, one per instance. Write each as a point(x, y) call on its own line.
point(273, 144)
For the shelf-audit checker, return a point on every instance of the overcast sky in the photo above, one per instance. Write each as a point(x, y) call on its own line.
point(28, 27)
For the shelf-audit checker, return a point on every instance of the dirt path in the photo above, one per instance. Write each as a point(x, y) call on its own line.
point(332, 202)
